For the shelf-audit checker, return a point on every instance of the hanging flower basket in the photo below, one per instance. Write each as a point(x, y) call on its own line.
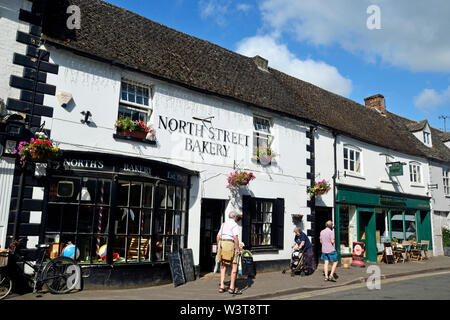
point(322, 187)
point(134, 128)
point(264, 155)
point(239, 179)
point(40, 149)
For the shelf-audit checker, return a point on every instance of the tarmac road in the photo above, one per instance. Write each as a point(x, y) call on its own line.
point(432, 286)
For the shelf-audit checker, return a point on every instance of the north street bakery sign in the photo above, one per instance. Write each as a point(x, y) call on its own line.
point(208, 140)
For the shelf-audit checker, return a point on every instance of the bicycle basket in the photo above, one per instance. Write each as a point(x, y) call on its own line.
point(3, 258)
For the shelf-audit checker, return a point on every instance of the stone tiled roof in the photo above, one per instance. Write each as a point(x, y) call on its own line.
point(124, 38)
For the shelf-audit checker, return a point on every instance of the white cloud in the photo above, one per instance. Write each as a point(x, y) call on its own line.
point(243, 7)
point(414, 34)
point(316, 72)
point(216, 9)
point(431, 99)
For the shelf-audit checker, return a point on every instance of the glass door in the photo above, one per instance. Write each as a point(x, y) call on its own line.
point(367, 233)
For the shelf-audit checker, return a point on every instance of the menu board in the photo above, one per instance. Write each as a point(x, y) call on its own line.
point(176, 269)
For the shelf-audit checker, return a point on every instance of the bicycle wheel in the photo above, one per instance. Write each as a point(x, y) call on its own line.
point(61, 275)
point(5, 285)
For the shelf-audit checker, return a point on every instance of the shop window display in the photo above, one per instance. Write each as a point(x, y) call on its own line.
point(80, 214)
point(382, 229)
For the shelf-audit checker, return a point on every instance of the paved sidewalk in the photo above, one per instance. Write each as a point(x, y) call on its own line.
point(266, 285)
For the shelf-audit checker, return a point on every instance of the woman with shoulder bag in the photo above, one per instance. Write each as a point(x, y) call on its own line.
point(228, 240)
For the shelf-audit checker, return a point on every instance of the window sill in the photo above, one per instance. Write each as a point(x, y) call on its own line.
point(128, 138)
point(264, 250)
point(388, 181)
point(416, 185)
point(353, 175)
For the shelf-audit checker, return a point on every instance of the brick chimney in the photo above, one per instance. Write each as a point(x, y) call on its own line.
point(377, 102)
point(261, 63)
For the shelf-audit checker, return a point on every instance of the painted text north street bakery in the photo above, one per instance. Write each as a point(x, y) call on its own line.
point(218, 140)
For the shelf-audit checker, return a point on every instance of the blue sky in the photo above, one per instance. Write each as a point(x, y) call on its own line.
point(328, 43)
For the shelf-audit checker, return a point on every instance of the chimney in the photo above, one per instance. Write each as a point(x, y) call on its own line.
point(377, 102)
point(261, 63)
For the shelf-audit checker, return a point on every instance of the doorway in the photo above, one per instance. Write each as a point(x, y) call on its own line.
point(322, 215)
point(424, 228)
point(212, 216)
point(367, 233)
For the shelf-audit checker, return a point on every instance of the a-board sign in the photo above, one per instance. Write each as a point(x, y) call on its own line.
point(188, 264)
point(388, 254)
point(176, 268)
point(358, 254)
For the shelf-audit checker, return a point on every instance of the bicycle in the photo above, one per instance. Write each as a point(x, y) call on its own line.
point(60, 275)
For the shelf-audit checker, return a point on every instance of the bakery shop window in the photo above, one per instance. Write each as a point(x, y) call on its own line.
point(148, 221)
point(78, 214)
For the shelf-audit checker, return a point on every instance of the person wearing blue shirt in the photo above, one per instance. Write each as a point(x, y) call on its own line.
point(301, 240)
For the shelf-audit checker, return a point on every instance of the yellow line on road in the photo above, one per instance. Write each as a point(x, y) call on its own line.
point(358, 286)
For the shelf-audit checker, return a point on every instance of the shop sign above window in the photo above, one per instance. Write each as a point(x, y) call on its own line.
point(395, 169)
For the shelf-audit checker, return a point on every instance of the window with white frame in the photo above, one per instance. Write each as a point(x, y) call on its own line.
point(415, 173)
point(445, 174)
point(426, 137)
point(135, 101)
point(262, 137)
point(352, 159)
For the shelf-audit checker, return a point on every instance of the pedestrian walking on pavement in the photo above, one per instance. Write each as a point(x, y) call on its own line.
point(329, 253)
point(228, 240)
point(301, 240)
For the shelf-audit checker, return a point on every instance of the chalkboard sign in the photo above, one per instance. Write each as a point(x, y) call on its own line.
point(188, 264)
point(388, 254)
point(176, 269)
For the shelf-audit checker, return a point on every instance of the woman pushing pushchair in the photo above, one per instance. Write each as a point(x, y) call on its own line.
point(301, 241)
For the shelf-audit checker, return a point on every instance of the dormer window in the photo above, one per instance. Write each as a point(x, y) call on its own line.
point(426, 138)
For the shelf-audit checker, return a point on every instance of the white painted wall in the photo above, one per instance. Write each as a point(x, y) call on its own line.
point(324, 152)
point(95, 87)
point(374, 172)
point(440, 204)
point(9, 25)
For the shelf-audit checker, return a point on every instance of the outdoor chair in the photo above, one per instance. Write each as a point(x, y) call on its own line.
point(416, 252)
point(425, 245)
point(407, 247)
point(398, 254)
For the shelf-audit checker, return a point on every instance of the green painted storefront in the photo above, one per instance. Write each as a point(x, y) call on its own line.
point(376, 216)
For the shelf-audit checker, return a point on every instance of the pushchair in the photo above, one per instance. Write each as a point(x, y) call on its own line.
point(298, 262)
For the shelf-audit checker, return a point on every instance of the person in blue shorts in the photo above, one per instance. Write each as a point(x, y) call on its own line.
point(329, 253)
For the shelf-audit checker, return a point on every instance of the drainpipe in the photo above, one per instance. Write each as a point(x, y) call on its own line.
point(335, 218)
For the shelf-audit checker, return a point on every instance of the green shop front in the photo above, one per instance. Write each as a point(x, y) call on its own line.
point(375, 216)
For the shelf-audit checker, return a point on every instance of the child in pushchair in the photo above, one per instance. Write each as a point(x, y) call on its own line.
point(298, 262)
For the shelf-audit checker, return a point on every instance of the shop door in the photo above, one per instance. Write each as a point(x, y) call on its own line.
point(367, 233)
point(425, 227)
point(211, 219)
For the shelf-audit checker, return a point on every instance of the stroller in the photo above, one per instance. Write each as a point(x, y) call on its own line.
point(298, 262)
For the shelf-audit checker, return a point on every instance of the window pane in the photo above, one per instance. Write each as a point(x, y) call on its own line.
point(346, 164)
point(135, 194)
point(124, 187)
point(131, 93)
point(170, 197)
point(103, 192)
point(124, 94)
point(119, 245)
point(352, 166)
point(169, 222)
point(120, 223)
point(177, 224)
point(345, 153)
point(101, 221)
point(410, 225)
point(397, 225)
point(69, 218)
point(146, 226)
point(86, 219)
point(139, 97)
point(54, 218)
point(147, 198)
point(358, 164)
point(178, 198)
point(352, 155)
point(162, 196)
point(133, 221)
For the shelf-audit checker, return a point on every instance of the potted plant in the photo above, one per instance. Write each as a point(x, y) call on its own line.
point(297, 218)
point(264, 154)
point(239, 178)
point(322, 187)
point(39, 149)
point(134, 128)
point(446, 240)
